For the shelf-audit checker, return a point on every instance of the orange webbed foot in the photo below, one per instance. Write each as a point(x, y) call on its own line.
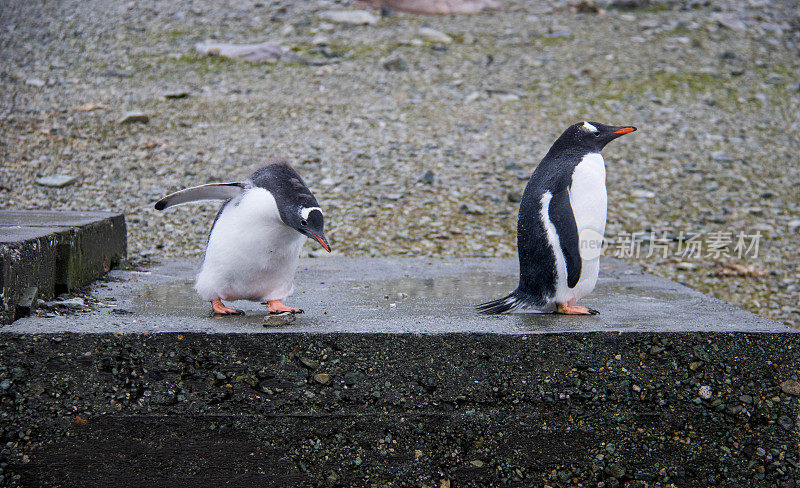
point(566, 309)
point(275, 306)
point(220, 309)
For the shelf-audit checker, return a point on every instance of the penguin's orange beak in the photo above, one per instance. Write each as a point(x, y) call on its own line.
point(322, 242)
point(625, 130)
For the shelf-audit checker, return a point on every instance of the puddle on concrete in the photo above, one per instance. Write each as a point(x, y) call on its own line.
point(475, 289)
point(614, 289)
point(456, 288)
point(180, 298)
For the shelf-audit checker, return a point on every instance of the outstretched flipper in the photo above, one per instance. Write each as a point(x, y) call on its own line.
point(211, 191)
point(564, 221)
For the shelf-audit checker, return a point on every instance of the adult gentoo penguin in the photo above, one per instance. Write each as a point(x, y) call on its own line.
point(255, 241)
point(562, 218)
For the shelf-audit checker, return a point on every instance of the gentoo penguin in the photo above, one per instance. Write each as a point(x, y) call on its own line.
point(562, 218)
point(255, 241)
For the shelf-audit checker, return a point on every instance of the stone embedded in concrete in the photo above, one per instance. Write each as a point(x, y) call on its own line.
point(26, 301)
point(56, 252)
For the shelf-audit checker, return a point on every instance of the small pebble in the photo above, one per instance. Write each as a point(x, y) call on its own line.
point(434, 35)
point(56, 181)
point(76, 303)
point(134, 117)
point(514, 197)
point(352, 17)
point(322, 378)
point(471, 209)
point(278, 319)
point(396, 64)
point(35, 82)
point(176, 95)
point(791, 387)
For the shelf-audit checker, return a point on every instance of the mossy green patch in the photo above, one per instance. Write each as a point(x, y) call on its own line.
point(203, 65)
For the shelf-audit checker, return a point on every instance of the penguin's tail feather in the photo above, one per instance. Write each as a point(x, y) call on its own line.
point(510, 302)
point(211, 191)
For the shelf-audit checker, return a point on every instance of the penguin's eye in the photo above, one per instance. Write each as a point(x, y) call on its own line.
point(596, 134)
point(304, 223)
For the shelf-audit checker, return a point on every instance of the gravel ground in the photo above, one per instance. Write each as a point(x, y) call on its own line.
point(712, 86)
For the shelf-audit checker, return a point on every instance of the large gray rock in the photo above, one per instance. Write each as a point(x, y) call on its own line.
point(265, 52)
point(56, 181)
point(352, 17)
point(442, 7)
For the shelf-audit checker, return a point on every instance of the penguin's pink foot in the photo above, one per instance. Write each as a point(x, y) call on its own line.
point(567, 309)
point(220, 308)
point(275, 306)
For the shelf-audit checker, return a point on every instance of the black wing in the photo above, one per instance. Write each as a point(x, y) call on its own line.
point(212, 191)
point(564, 221)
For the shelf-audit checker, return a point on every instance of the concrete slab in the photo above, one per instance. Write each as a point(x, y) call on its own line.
point(396, 296)
point(55, 251)
point(665, 386)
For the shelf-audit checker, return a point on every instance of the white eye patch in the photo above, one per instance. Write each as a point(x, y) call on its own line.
point(307, 210)
point(589, 127)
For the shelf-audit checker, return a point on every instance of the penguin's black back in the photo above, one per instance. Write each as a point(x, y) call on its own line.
point(537, 261)
point(536, 257)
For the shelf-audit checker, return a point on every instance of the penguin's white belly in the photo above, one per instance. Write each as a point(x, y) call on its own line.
point(251, 253)
point(589, 202)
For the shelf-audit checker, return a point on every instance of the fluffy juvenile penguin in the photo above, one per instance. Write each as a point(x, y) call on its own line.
point(255, 241)
point(562, 218)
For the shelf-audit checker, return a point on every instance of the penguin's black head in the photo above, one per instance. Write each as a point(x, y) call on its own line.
point(308, 221)
point(591, 135)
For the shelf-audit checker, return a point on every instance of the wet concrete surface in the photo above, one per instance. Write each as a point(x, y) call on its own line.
point(397, 295)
